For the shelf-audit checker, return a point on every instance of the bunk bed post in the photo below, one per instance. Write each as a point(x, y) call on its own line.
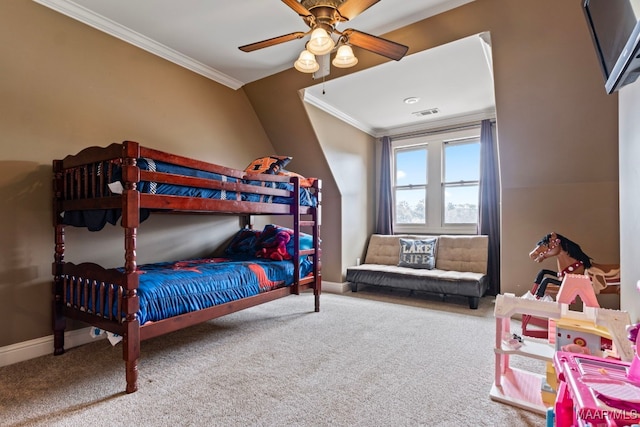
point(58, 319)
point(295, 207)
point(246, 221)
point(317, 266)
point(130, 223)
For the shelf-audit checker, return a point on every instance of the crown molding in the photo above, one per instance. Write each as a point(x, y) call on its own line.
point(316, 102)
point(475, 116)
point(414, 127)
point(99, 22)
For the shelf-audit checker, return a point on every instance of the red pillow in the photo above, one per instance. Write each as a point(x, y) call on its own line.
point(270, 164)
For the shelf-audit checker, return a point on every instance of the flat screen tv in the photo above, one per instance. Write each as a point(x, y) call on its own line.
point(615, 30)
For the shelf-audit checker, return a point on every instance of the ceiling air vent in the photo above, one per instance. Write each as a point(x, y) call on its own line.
point(427, 112)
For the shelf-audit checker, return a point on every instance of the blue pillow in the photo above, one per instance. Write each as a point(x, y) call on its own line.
point(243, 244)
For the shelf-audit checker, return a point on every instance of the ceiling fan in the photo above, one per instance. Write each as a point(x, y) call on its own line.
point(322, 17)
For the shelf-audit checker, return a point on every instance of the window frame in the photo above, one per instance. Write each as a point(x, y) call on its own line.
point(435, 145)
point(395, 187)
point(462, 183)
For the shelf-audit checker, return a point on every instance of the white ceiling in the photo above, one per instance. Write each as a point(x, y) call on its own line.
point(204, 35)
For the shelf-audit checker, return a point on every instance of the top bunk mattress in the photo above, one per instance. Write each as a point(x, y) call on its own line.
point(105, 178)
point(151, 187)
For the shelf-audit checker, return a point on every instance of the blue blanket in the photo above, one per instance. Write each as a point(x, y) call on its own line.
point(169, 289)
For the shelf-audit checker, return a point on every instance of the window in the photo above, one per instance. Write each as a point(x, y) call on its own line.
point(411, 185)
point(461, 181)
point(436, 182)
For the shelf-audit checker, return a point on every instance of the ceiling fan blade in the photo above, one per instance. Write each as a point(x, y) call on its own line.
point(297, 7)
point(272, 42)
point(351, 8)
point(376, 44)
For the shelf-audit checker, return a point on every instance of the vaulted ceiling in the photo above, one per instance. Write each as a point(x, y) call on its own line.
point(451, 83)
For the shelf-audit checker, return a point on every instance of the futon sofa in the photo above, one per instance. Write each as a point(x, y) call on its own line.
point(444, 265)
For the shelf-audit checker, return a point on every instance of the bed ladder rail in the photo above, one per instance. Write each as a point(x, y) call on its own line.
point(309, 220)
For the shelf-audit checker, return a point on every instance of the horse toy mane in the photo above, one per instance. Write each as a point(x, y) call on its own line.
point(570, 247)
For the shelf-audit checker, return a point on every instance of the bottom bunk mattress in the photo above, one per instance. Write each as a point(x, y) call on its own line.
point(169, 289)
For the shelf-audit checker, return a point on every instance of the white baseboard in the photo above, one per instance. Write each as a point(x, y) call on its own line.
point(334, 287)
point(31, 349)
point(26, 350)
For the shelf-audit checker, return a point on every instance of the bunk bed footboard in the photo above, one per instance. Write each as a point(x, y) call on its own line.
point(91, 294)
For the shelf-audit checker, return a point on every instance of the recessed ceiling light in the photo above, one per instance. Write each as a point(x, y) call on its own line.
point(411, 100)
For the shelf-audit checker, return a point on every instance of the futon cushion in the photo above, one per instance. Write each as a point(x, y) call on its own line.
point(417, 253)
point(463, 253)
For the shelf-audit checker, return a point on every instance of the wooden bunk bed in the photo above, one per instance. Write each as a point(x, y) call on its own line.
point(126, 182)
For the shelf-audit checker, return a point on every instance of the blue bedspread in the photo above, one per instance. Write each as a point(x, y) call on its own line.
point(306, 198)
point(170, 289)
point(96, 219)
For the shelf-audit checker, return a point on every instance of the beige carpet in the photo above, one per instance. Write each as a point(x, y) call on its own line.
point(367, 359)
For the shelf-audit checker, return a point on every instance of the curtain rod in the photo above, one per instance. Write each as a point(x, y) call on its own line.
point(437, 131)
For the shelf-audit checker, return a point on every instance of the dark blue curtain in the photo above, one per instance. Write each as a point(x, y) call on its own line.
point(489, 221)
point(384, 223)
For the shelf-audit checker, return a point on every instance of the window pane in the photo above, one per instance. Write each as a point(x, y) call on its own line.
point(410, 206)
point(411, 167)
point(461, 204)
point(462, 162)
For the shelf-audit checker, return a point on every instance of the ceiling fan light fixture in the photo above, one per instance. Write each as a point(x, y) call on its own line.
point(344, 57)
point(322, 18)
point(320, 42)
point(306, 62)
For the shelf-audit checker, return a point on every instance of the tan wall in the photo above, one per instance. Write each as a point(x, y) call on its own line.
point(350, 154)
point(557, 128)
point(557, 132)
point(630, 199)
point(65, 86)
